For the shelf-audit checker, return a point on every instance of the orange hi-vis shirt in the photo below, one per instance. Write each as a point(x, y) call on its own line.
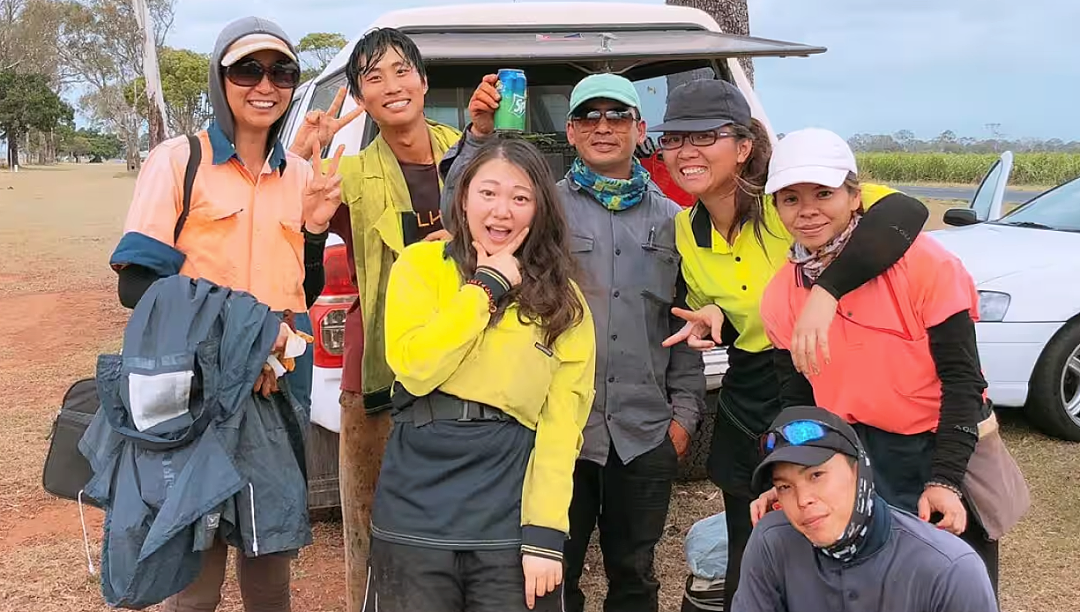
point(243, 231)
point(881, 371)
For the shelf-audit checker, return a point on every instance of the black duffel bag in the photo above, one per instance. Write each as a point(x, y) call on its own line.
point(66, 470)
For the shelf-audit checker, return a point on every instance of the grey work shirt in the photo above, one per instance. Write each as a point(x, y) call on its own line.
point(631, 277)
point(918, 568)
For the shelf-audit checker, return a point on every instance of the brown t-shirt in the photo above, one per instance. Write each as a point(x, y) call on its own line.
point(422, 181)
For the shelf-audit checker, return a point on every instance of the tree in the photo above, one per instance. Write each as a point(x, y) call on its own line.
point(102, 43)
point(316, 51)
point(28, 31)
point(27, 102)
point(733, 17)
point(185, 84)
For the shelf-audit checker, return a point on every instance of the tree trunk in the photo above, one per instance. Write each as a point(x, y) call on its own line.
point(733, 17)
point(157, 127)
point(13, 151)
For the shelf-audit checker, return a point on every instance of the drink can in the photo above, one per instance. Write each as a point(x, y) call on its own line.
point(510, 116)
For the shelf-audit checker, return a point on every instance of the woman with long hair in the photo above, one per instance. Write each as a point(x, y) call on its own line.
point(904, 366)
point(732, 243)
point(492, 346)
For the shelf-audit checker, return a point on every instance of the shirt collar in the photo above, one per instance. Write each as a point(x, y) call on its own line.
point(224, 150)
point(702, 228)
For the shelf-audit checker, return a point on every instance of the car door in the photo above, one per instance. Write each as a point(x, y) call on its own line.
point(989, 197)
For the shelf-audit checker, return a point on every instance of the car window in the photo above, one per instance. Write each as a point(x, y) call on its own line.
point(546, 113)
point(653, 93)
point(325, 92)
point(1058, 208)
point(548, 104)
point(294, 110)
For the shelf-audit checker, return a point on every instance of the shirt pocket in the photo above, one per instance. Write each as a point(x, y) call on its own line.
point(213, 222)
point(581, 244)
point(293, 233)
point(660, 269)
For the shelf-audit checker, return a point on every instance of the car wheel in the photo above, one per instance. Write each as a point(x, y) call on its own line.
point(693, 466)
point(1054, 397)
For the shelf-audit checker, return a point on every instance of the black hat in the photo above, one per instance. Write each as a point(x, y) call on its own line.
point(702, 105)
point(839, 438)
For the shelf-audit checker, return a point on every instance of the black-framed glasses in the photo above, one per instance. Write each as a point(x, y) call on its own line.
point(618, 119)
point(250, 72)
point(670, 142)
point(798, 433)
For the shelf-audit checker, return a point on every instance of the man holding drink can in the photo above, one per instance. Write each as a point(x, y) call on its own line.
point(648, 398)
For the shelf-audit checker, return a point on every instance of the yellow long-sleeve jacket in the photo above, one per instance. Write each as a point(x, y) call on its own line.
point(438, 337)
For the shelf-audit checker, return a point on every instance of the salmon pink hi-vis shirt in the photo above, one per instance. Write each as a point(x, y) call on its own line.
point(881, 372)
point(243, 231)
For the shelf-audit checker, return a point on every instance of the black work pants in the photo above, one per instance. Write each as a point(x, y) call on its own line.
point(407, 578)
point(629, 504)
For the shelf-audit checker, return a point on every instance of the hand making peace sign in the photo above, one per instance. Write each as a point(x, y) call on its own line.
point(322, 196)
point(319, 127)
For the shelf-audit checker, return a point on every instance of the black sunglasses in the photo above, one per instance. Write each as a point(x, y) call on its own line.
point(616, 118)
point(250, 72)
point(670, 142)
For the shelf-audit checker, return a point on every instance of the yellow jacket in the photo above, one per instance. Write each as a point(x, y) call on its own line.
point(437, 337)
point(374, 189)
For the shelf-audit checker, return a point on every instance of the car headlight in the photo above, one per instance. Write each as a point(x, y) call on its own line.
point(993, 305)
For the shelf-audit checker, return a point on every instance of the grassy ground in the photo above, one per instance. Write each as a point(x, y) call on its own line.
point(59, 226)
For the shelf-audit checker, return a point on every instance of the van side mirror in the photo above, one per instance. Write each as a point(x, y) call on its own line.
point(959, 217)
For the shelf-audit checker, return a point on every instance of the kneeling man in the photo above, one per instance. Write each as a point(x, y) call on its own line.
point(837, 545)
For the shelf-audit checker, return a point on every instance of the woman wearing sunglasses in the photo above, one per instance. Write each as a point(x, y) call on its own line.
point(903, 367)
point(258, 217)
point(732, 243)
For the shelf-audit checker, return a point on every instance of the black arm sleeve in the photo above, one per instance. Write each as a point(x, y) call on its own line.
point(314, 274)
point(133, 282)
point(956, 357)
point(795, 389)
point(882, 237)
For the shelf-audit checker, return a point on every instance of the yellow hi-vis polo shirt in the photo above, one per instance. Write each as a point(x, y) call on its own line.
point(734, 276)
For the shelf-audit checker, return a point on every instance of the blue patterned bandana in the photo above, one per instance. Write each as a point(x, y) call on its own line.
point(614, 194)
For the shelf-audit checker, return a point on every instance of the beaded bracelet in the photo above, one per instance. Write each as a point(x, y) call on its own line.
point(491, 298)
point(946, 486)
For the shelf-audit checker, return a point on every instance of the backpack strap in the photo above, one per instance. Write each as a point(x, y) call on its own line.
point(194, 159)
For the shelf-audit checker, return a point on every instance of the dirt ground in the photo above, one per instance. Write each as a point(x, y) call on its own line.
point(57, 229)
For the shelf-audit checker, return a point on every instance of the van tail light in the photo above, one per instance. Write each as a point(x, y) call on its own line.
point(332, 306)
point(660, 176)
point(338, 278)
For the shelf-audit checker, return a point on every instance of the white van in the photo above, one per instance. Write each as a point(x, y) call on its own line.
point(556, 44)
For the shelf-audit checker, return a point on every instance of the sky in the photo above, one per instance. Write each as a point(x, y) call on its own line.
point(920, 65)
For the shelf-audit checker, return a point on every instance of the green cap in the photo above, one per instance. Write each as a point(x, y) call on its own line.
point(608, 86)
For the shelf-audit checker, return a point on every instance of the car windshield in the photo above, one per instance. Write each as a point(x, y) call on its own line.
point(1057, 209)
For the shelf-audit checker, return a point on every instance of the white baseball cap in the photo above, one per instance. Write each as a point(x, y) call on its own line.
point(246, 45)
point(811, 155)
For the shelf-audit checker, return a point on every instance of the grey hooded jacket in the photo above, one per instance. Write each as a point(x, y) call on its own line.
point(234, 31)
point(182, 451)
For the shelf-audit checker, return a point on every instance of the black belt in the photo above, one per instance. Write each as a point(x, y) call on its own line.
point(442, 407)
point(377, 401)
